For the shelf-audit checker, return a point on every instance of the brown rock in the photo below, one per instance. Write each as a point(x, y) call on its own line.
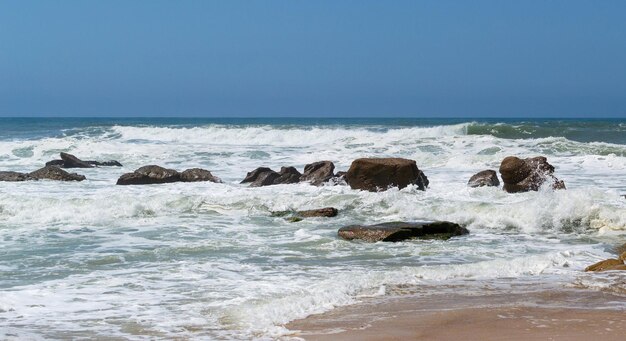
point(252, 176)
point(265, 179)
point(609, 264)
point(398, 231)
point(15, 176)
point(55, 173)
point(197, 175)
point(522, 175)
point(373, 174)
point(484, 178)
point(320, 212)
point(288, 175)
point(318, 172)
point(149, 175)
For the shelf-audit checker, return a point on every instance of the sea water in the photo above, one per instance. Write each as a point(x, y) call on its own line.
point(208, 261)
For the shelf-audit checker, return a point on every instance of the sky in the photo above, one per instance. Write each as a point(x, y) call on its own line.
point(313, 58)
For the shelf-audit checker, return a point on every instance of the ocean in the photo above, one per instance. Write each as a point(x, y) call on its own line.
point(84, 260)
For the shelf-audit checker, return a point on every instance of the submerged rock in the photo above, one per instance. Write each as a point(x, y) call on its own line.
point(149, 175)
point(111, 163)
point(294, 216)
point(55, 173)
point(197, 175)
point(15, 176)
point(609, 264)
point(318, 172)
point(484, 178)
point(399, 231)
point(379, 174)
point(522, 175)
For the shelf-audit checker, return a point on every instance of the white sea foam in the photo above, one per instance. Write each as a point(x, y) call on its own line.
point(207, 260)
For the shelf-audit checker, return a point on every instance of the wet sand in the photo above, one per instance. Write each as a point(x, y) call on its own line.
point(533, 316)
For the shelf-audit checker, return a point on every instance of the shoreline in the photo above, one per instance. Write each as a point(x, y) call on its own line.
point(541, 315)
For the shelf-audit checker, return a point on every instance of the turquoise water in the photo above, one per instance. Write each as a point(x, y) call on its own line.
point(207, 261)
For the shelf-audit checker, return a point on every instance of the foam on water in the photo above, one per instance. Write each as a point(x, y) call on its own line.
point(207, 260)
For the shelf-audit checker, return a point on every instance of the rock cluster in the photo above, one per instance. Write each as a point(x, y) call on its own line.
point(522, 175)
point(48, 172)
point(158, 175)
point(71, 161)
point(379, 174)
point(398, 231)
point(315, 173)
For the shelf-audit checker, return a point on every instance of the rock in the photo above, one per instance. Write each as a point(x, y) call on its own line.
point(318, 172)
point(149, 175)
point(522, 175)
point(609, 264)
point(288, 175)
point(71, 161)
point(252, 176)
point(265, 179)
point(197, 174)
point(338, 179)
point(485, 178)
point(373, 174)
point(110, 163)
point(328, 212)
point(399, 231)
point(55, 173)
point(295, 216)
point(15, 176)
point(620, 249)
point(58, 163)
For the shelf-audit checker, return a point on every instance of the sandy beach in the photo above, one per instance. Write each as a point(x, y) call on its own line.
point(541, 315)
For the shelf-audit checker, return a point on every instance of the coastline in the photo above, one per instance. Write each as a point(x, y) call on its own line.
point(549, 314)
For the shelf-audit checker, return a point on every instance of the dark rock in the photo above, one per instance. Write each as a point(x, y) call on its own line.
point(265, 179)
point(197, 174)
point(294, 216)
point(149, 175)
point(318, 172)
point(328, 212)
point(58, 163)
point(372, 174)
point(288, 175)
point(110, 163)
point(55, 173)
point(339, 179)
point(484, 178)
point(15, 176)
point(398, 231)
point(71, 161)
point(252, 176)
point(522, 175)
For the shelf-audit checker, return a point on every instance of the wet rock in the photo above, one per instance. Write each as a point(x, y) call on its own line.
point(197, 175)
point(485, 178)
point(58, 163)
point(522, 175)
point(252, 176)
point(399, 231)
point(15, 176)
point(265, 179)
point(374, 174)
point(609, 264)
point(295, 216)
point(338, 179)
point(620, 249)
point(318, 172)
point(288, 175)
point(55, 173)
point(149, 175)
point(328, 212)
point(111, 163)
point(71, 161)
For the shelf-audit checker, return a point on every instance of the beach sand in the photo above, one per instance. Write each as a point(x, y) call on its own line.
point(542, 315)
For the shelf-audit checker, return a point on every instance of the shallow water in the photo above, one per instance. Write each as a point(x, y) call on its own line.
point(206, 260)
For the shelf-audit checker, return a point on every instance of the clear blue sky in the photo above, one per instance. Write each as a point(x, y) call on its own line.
point(313, 58)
